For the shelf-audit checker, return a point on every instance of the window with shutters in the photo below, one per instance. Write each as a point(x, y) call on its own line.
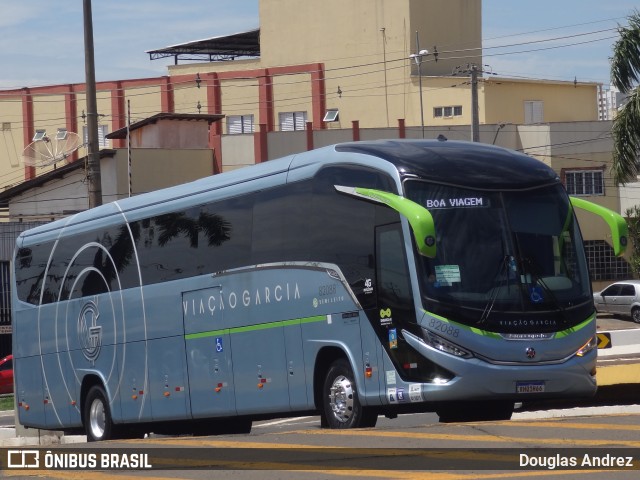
point(584, 182)
point(448, 111)
point(102, 133)
point(239, 124)
point(533, 111)
point(290, 121)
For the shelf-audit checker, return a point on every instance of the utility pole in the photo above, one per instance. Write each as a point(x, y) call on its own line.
point(93, 152)
point(475, 117)
point(473, 70)
point(417, 58)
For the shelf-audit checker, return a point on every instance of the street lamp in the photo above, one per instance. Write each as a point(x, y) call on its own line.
point(417, 58)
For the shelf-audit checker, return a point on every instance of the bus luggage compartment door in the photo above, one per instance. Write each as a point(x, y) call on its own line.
point(260, 371)
point(208, 351)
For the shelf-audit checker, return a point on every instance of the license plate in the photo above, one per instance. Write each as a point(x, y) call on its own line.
point(529, 387)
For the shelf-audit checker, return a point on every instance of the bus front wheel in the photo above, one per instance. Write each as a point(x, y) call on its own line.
point(97, 416)
point(341, 406)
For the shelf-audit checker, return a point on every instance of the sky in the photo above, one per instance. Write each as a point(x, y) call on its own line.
point(42, 43)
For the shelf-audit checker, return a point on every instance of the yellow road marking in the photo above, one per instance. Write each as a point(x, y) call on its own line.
point(566, 442)
point(578, 426)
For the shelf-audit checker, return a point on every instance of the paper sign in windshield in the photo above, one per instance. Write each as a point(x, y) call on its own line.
point(447, 275)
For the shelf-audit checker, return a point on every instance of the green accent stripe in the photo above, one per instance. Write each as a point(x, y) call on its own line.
point(580, 326)
point(475, 330)
point(255, 328)
point(616, 222)
point(485, 333)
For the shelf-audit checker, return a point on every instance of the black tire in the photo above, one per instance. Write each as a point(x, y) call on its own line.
point(475, 411)
point(635, 315)
point(341, 406)
point(97, 416)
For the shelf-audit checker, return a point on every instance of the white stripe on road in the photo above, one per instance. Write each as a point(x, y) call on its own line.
point(280, 422)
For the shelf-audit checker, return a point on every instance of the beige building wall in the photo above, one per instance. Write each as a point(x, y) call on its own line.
point(144, 101)
point(369, 75)
point(240, 97)
point(359, 32)
point(239, 152)
point(152, 169)
point(11, 142)
point(53, 200)
point(503, 100)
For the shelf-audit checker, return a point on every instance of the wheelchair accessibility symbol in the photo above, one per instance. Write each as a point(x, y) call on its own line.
point(535, 294)
point(219, 344)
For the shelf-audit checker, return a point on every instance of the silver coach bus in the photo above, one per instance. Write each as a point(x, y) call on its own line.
point(357, 280)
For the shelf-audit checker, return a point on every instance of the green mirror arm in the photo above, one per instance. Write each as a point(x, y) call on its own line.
point(419, 217)
point(616, 222)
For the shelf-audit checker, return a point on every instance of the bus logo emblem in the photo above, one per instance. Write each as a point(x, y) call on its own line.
point(531, 353)
point(89, 332)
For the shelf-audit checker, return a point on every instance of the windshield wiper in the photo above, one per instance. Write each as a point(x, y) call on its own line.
point(508, 262)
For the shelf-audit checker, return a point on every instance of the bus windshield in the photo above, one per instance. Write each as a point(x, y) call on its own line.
point(500, 254)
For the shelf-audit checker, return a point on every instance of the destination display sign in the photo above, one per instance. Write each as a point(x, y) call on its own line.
point(457, 202)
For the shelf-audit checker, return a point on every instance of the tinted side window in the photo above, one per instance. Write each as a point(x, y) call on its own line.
point(394, 287)
point(342, 230)
point(30, 263)
point(628, 291)
point(281, 222)
point(611, 291)
point(203, 239)
point(84, 264)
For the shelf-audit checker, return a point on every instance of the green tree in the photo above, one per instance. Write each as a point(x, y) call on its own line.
point(625, 73)
point(633, 222)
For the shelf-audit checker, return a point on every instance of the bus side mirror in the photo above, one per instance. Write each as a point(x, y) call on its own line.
point(419, 217)
point(616, 222)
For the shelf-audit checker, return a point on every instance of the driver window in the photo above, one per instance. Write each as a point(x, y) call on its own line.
point(611, 291)
point(394, 286)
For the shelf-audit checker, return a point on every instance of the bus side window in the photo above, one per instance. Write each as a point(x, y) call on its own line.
point(394, 286)
point(342, 227)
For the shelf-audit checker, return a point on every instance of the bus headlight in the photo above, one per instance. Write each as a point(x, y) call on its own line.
point(439, 343)
point(587, 347)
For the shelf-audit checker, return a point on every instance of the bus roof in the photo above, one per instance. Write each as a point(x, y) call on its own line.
point(463, 164)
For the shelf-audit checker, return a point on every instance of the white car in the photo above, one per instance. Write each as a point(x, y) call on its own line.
point(620, 298)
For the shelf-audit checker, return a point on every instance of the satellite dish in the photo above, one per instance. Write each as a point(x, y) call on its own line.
point(45, 150)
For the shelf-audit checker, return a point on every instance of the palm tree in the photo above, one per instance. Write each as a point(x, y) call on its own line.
point(625, 73)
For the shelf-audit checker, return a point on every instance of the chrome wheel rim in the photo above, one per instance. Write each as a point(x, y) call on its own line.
point(341, 399)
point(97, 419)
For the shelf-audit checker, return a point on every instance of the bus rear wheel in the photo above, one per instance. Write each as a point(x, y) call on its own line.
point(97, 416)
point(341, 406)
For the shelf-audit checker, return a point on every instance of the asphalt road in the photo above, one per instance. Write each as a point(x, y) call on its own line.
point(607, 322)
point(409, 447)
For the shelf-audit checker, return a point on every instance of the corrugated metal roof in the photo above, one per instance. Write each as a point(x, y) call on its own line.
point(227, 47)
point(122, 132)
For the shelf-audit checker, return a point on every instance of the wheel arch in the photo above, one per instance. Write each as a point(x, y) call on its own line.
point(89, 380)
point(325, 357)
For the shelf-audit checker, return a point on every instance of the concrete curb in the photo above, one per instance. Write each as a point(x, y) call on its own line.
point(8, 439)
point(619, 342)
